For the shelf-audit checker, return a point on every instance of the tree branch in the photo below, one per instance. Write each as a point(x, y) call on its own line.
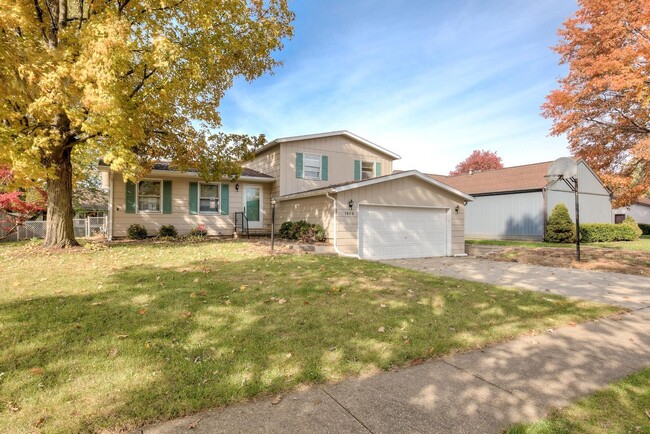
point(145, 76)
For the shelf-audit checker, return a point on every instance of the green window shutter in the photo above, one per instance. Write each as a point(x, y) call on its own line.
point(323, 168)
point(194, 197)
point(225, 199)
point(377, 169)
point(299, 171)
point(357, 170)
point(130, 197)
point(167, 197)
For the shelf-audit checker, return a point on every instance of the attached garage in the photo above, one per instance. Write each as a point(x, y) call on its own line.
point(388, 232)
point(403, 215)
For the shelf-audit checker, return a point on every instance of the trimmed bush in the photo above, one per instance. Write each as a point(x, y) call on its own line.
point(167, 231)
point(302, 230)
point(629, 221)
point(645, 228)
point(136, 232)
point(606, 232)
point(560, 227)
point(199, 231)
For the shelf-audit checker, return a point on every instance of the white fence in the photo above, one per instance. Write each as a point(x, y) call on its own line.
point(87, 227)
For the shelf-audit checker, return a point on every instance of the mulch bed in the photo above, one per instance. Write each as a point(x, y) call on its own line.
point(592, 258)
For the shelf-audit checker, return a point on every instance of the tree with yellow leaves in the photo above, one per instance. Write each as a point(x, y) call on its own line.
point(132, 81)
point(603, 104)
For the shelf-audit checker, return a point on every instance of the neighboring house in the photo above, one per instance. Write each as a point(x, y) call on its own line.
point(89, 202)
point(640, 211)
point(338, 180)
point(515, 202)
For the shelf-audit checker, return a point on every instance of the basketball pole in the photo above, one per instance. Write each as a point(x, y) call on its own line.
point(575, 180)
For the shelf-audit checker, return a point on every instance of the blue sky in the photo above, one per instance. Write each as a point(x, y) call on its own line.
point(430, 80)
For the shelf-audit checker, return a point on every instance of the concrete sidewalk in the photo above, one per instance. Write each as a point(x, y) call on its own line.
point(475, 392)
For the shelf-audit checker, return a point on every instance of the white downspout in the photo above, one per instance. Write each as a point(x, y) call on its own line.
point(110, 206)
point(336, 247)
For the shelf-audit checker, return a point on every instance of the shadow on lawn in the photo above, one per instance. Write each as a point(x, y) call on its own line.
point(158, 343)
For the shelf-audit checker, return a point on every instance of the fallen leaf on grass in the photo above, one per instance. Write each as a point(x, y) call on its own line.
point(37, 371)
point(417, 361)
point(381, 329)
point(196, 280)
point(276, 400)
point(40, 422)
point(243, 287)
point(383, 306)
point(647, 413)
point(112, 353)
point(282, 301)
point(97, 303)
point(142, 311)
point(122, 336)
point(187, 314)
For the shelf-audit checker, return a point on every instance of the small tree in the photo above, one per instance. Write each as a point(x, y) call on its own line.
point(629, 221)
point(17, 206)
point(560, 228)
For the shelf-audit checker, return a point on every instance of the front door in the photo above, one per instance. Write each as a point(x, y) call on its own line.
point(253, 205)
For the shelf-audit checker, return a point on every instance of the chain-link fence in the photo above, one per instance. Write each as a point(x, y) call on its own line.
point(88, 227)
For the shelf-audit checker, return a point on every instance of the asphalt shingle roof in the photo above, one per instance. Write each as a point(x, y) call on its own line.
point(518, 178)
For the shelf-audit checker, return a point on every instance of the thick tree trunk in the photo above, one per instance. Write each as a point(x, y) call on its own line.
point(60, 231)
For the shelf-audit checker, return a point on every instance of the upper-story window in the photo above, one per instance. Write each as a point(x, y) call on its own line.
point(208, 198)
point(149, 196)
point(312, 166)
point(367, 170)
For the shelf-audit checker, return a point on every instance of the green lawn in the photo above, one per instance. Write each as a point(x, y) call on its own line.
point(623, 407)
point(111, 338)
point(642, 244)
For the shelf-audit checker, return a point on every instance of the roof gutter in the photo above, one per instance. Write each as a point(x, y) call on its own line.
point(336, 247)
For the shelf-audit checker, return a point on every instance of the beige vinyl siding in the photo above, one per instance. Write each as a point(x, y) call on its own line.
point(268, 162)
point(180, 216)
point(316, 210)
point(408, 191)
point(341, 152)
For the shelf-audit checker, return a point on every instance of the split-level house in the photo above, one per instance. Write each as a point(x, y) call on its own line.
point(338, 180)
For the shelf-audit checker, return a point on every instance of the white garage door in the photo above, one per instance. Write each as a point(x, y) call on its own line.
point(393, 232)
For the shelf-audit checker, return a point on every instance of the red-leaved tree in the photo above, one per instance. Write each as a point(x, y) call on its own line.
point(602, 105)
point(17, 207)
point(478, 161)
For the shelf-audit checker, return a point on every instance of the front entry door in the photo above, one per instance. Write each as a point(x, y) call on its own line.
point(253, 205)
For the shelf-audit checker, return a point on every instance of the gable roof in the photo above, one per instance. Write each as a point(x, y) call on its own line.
point(528, 177)
point(343, 133)
point(350, 185)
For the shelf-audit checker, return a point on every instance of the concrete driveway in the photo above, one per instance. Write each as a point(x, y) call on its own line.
point(632, 292)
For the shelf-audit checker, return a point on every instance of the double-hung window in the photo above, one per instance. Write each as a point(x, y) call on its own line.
point(367, 170)
point(312, 166)
point(149, 196)
point(208, 198)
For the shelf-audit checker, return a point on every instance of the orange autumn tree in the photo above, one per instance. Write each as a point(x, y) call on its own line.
point(603, 104)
